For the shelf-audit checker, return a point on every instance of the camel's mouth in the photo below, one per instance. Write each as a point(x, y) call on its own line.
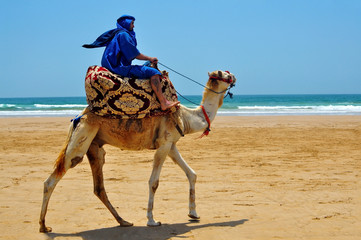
point(231, 79)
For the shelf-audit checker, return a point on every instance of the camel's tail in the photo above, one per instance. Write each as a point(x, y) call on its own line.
point(60, 161)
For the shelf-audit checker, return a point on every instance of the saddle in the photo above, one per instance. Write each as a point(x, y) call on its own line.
point(110, 95)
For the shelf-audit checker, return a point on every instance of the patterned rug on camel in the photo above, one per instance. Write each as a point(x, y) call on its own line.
point(110, 95)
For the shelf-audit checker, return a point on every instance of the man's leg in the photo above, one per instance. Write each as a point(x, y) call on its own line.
point(157, 88)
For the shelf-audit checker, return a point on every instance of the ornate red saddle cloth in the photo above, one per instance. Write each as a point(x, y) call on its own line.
point(113, 96)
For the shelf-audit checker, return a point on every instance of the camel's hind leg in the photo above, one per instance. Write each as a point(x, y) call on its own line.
point(72, 154)
point(96, 155)
point(49, 186)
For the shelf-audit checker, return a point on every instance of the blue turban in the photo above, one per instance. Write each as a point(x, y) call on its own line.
point(125, 21)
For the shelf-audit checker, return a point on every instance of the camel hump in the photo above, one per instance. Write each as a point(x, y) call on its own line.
point(111, 95)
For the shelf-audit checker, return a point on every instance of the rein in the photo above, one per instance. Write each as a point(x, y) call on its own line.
point(229, 81)
point(216, 78)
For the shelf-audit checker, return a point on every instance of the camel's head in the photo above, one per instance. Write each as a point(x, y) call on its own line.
point(219, 81)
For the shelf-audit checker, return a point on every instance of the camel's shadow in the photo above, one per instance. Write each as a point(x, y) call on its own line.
point(163, 232)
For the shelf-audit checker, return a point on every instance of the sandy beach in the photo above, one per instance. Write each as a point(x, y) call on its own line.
point(261, 177)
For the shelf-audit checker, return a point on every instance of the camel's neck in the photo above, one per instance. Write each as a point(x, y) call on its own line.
point(194, 119)
point(211, 104)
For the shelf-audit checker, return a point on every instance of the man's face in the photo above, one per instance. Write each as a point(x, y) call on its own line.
point(131, 27)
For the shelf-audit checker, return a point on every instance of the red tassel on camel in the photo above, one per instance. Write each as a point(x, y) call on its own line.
point(208, 129)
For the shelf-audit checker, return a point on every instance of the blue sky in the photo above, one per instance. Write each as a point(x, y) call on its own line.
point(273, 47)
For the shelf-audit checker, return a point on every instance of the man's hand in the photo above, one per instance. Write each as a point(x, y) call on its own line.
point(141, 56)
point(153, 60)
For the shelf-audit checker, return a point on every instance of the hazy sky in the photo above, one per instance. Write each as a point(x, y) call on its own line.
point(272, 46)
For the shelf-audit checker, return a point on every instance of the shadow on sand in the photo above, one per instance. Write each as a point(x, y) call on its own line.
point(163, 232)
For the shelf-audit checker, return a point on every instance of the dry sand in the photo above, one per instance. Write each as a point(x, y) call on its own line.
point(294, 177)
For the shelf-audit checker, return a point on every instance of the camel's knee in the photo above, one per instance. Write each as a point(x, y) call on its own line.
point(192, 177)
point(96, 158)
point(98, 191)
point(153, 185)
point(48, 185)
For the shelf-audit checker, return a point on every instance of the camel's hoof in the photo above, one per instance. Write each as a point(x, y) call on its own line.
point(124, 223)
point(44, 229)
point(194, 216)
point(154, 224)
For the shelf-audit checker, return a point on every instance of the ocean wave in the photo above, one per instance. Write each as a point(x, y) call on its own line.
point(332, 108)
point(7, 105)
point(238, 106)
point(294, 110)
point(60, 106)
point(273, 108)
point(239, 111)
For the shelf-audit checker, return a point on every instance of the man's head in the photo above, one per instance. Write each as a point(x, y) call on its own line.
point(126, 22)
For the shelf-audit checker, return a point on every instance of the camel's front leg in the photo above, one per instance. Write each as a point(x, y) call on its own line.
point(159, 158)
point(192, 177)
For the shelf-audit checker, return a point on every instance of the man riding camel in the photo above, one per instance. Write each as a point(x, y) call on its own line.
point(121, 49)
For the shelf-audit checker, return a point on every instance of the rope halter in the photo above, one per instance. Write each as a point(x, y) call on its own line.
point(230, 80)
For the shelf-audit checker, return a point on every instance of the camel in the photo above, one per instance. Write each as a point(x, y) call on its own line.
point(160, 133)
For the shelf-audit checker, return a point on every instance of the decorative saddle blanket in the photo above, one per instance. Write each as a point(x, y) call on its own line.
point(113, 96)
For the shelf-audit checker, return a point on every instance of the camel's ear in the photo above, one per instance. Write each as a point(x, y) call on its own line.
point(209, 74)
point(220, 74)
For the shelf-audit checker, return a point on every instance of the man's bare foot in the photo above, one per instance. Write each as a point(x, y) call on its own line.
point(168, 105)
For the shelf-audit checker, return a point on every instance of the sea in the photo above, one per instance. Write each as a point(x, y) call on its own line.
point(239, 105)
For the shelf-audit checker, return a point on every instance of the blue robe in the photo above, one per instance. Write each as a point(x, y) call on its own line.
point(121, 50)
